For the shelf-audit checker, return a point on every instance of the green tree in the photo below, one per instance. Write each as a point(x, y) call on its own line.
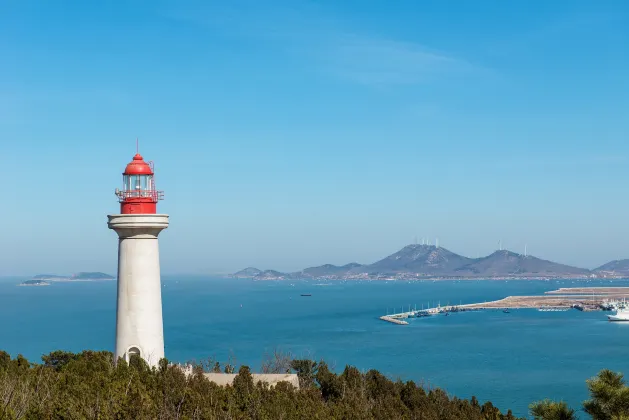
point(243, 385)
point(329, 383)
point(609, 397)
point(58, 359)
point(551, 410)
point(306, 371)
point(5, 358)
point(22, 363)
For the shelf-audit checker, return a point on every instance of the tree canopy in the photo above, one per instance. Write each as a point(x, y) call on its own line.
point(609, 400)
point(89, 385)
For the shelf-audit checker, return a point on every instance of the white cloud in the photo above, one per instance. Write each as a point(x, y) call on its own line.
point(308, 32)
point(379, 61)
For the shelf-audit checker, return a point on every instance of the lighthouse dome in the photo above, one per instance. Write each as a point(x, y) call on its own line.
point(138, 167)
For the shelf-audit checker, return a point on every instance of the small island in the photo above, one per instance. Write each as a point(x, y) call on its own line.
point(51, 277)
point(82, 276)
point(89, 276)
point(34, 283)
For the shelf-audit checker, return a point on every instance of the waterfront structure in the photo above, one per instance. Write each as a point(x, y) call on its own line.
point(139, 324)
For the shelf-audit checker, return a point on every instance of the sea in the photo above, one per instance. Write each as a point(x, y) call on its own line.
point(510, 359)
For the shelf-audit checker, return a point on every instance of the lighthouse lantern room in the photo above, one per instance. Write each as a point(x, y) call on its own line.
point(138, 195)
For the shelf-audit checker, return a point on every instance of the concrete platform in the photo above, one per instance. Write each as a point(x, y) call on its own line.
point(223, 379)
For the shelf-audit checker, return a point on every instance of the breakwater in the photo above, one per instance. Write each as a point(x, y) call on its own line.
point(394, 320)
point(580, 298)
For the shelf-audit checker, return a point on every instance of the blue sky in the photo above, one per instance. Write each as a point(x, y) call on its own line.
point(294, 133)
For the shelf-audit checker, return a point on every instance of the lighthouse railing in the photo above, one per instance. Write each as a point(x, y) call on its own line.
point(129, 194)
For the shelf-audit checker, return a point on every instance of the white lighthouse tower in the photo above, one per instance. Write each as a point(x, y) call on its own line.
point(139, 325)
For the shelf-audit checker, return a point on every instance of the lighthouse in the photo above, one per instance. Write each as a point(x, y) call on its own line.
point(139, 325)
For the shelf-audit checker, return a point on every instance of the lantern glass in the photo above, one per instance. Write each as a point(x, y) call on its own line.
point(138, 185)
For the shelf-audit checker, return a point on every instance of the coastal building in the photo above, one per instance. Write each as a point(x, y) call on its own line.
point(139, 324)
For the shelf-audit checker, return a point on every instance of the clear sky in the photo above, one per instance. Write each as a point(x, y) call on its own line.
point(288, 134)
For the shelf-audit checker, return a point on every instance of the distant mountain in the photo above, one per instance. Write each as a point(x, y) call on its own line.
point(619, 268)
point(327, 270)
point(418, 259)
point(507, 263)
point(429, 261)
point(248, 272)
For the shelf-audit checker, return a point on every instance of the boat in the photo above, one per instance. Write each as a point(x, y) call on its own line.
point(620, 315)
point(506, 311)
point(306, 295)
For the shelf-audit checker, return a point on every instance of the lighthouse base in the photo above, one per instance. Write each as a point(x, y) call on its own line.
point(139, 324)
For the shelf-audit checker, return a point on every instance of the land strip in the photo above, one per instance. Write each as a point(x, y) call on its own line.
point(591, 290)
point(582, 298)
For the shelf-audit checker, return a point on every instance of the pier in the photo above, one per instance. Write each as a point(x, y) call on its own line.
point(394, 320)
point(563, 299)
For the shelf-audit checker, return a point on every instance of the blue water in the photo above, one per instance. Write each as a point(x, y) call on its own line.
point(511, 359)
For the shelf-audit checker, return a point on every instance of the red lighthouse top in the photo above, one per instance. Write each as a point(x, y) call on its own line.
point(138, 195)
point(138, 167)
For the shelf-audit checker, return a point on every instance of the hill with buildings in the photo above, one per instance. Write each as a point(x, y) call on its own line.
point(433, 262)
point(616, 268)
point(428, 260)
point(272, 275)
point(248, 272)
point(329, 270)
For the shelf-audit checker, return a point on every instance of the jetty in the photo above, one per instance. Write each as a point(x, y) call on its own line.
point(393, 319)
point(563, 299)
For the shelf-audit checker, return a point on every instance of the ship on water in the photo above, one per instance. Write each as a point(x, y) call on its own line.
point(622, 314)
